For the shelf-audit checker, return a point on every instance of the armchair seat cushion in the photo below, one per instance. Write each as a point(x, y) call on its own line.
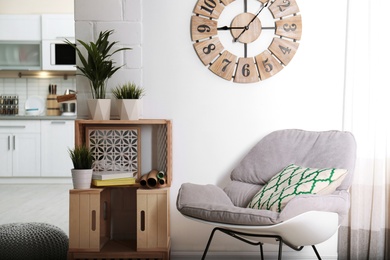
point(210, 203)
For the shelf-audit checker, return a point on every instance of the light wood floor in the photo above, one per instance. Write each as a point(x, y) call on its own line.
point(48, 203)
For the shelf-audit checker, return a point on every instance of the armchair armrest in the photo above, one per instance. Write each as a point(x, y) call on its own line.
point(337, 202)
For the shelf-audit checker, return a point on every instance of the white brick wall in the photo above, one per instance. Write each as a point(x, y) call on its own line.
point(125, 18)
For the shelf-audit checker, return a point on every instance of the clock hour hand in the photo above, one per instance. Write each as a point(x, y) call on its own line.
point(225, 28)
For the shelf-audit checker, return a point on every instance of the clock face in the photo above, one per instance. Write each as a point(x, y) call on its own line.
point(246, 40)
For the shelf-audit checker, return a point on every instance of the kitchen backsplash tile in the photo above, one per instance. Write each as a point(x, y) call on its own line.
point(27, 87)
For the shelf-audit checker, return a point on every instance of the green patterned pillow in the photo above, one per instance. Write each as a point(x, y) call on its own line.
point(295, 180)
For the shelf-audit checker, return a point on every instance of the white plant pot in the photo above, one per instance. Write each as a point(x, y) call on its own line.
point(130, 109)
point(82, 178)
point(99, 109)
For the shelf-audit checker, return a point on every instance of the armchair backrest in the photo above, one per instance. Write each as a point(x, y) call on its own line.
point(336, 149)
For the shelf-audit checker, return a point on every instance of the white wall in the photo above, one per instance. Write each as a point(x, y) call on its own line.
point(215, 122)
point(124, 16)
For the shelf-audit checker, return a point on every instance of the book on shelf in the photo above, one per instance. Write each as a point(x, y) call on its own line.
point(114, 182)
point(110, 175)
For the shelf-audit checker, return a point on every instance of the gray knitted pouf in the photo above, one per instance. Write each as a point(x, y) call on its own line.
point(32, 241)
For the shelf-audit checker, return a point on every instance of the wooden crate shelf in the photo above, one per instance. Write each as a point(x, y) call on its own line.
point(158, 137)
point(124, 222)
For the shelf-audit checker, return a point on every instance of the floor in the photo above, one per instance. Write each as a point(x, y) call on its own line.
point(47, 203)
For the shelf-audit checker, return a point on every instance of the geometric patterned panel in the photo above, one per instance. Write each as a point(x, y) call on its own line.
point(115, 149)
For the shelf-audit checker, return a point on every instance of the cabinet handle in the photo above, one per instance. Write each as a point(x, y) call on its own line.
point(9, 142)
point(14, 141)
point(142, 220)
point(12, 126)
point(93, 224)
point(58, 122)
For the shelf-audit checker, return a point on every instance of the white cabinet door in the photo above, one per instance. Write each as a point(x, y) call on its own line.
point(5, 155)
point(26, 155)
point(56, 137)
point(20, 27)
point(58, 26)
point(20, 148)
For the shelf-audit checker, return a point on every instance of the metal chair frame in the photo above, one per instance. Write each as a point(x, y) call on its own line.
point(238, 235)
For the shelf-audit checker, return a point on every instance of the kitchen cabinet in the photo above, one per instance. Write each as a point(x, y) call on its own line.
point(56, 137)
point(20, 42)
point(58, 26)
point(20, 27)
point(24, 55)
point(20, 148)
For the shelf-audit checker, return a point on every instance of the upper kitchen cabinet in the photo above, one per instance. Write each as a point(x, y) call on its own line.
point(20, 28)
point(58, 26)
point(20, 55)
point(20, 42)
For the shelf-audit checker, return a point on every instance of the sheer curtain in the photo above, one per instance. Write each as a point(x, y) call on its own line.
point(367, 115)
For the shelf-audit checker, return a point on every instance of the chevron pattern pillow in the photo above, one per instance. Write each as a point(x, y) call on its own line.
point(295, 180)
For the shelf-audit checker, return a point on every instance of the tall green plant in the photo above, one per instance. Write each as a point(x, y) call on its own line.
point(98, 66)
point(81, 157)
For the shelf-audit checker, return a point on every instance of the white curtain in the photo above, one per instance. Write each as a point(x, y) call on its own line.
point(367, 115)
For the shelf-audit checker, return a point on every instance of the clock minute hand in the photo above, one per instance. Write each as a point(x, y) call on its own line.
point(247, 27)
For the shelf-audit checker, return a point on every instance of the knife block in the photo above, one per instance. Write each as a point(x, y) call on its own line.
point(52, 106)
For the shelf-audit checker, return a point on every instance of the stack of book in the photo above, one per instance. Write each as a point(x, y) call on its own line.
point(112, 178)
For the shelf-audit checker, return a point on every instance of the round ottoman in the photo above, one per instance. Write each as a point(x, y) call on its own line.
point(32, 241)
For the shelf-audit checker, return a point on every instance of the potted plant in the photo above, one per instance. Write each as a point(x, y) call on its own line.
point(82, 160)
point(129, 100)
point(98, 67)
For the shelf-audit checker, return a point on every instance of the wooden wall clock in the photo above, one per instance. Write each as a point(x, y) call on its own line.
point(246, 40)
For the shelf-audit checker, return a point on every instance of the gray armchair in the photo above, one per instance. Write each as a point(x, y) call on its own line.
point(292, 186)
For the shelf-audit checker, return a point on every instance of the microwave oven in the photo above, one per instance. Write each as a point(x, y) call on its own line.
point(57, 55)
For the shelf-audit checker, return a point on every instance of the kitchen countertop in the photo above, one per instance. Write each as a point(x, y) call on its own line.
point(27, 117)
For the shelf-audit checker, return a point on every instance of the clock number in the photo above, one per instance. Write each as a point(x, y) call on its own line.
point(245, 70)
point(284, 6)
point(268, 66)
point(210, 5)
point(287, 27)
point(285, 50)
point(290, 27)
point(227, 64)
point(203, 28)
point(209, 48)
